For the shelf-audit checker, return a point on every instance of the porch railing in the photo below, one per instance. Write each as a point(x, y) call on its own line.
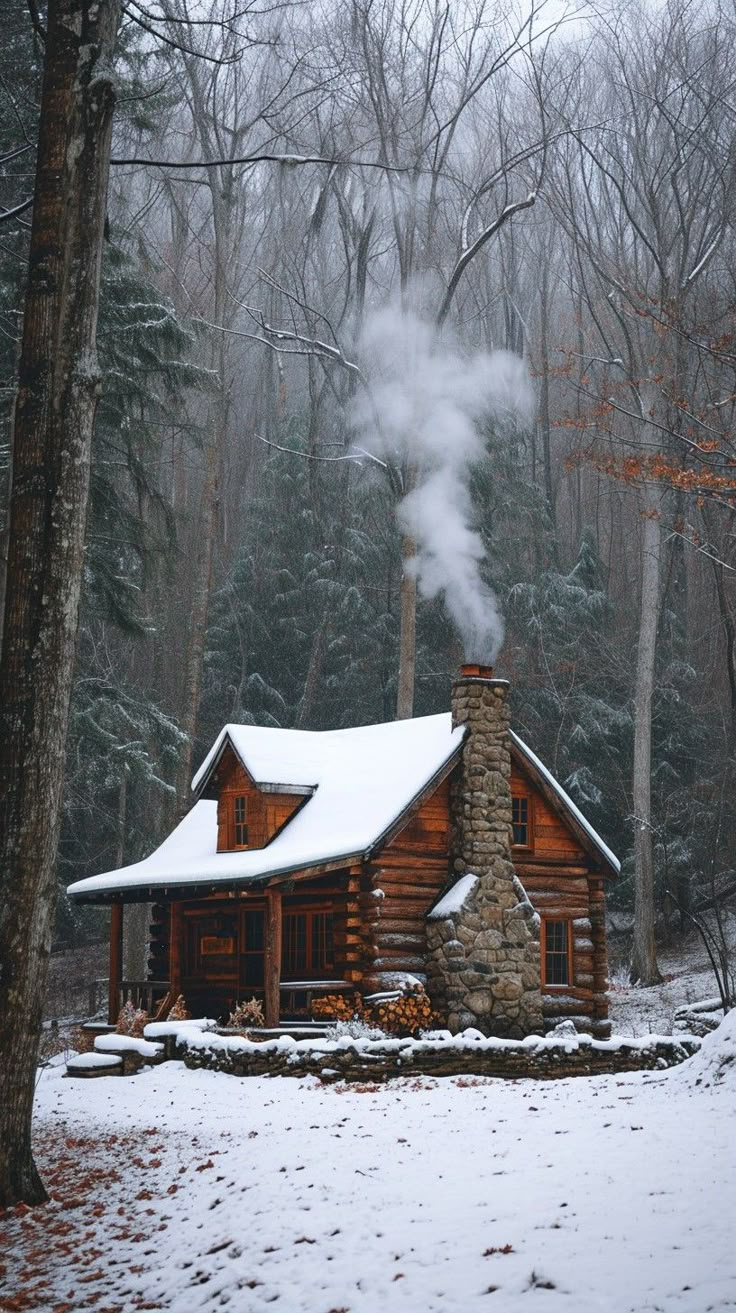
point(143, 994)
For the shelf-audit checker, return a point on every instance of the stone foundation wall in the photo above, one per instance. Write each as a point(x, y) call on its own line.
point(381, 1060)
point(483, 967)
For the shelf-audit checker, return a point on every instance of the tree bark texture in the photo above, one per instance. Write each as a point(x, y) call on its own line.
point(207, 521)
point(58, 386)
point(644, 957)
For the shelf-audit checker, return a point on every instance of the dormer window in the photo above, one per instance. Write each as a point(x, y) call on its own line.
point(240, 822)
point(521, 818)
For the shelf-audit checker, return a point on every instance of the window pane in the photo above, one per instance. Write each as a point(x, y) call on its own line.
point(323, 953)
point(239, 818)
point(254, 932)
point(251, 960)
point(556, 961)
point(520, 818)
point(294, 955)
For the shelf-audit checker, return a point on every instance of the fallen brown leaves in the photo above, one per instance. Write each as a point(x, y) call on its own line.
point(70, 1241)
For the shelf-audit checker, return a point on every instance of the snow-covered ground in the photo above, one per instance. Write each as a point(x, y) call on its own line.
point(189, 1190)
point(687, 978)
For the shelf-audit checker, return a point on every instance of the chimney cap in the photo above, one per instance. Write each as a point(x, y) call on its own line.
point(472, 670)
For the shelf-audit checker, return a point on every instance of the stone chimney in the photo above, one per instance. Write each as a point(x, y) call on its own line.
point(483, 937)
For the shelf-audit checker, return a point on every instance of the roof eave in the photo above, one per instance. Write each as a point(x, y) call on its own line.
point(595, 850)
point(425, 792)
point(170, 889)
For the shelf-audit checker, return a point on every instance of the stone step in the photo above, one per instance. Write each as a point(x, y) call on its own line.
point(87, 1066)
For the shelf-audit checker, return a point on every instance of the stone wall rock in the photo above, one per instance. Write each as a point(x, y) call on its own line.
point(380, 1061)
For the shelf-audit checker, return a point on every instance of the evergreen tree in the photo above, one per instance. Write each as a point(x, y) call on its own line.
point(571, 693)
point(122, 746)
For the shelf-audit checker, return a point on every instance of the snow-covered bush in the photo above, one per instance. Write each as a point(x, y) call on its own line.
point(357, 1028)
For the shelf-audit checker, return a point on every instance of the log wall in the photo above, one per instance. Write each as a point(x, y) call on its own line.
point(405, 878)
point(562, 884)
point(399, 887)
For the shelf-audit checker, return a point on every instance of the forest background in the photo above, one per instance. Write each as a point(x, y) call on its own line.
point(559, 190)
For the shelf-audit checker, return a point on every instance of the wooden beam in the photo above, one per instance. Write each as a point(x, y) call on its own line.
point(272, 959)
point(116, 962)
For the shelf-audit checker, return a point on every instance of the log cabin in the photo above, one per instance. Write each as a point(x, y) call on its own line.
point(439, 848)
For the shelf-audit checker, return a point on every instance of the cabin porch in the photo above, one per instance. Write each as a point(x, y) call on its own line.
point(284, 946)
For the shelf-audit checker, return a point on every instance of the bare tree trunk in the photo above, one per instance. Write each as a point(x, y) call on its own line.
point(206, 526)
point(544, 408)
point(644, 957)
point(58, 387)
point(137, 917)
point(197, 621)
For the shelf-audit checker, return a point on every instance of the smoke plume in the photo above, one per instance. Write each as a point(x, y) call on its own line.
point(423, 408)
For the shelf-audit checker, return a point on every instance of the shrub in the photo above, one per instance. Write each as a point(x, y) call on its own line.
point(247, 1014)
point(179, 1010)
point(357, 1028)
point(131, 1020)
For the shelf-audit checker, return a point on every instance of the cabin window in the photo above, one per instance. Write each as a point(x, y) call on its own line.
point(308, 945)
point(240, 822)
point(253, 944)
point(521, 819)
point(556, 953)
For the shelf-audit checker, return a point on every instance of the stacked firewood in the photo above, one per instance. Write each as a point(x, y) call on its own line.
point(401, 1012)
point(337, 1007)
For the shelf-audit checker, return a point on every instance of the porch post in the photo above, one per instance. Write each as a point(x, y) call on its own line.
point(272, 962)
point(116, 962)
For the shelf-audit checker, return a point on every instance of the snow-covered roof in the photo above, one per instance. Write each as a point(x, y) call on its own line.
point(567, 802)
point(455, 899)
point(361, 781)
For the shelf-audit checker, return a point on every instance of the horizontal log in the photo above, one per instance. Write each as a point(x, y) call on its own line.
point(559, 1007)
point(392, 888)
point(572, 881)
point(396, 924)
point(415, 858)
point(404, 943)
point(408, 963)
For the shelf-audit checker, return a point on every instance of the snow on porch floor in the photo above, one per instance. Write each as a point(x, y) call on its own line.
point(189, 1190)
